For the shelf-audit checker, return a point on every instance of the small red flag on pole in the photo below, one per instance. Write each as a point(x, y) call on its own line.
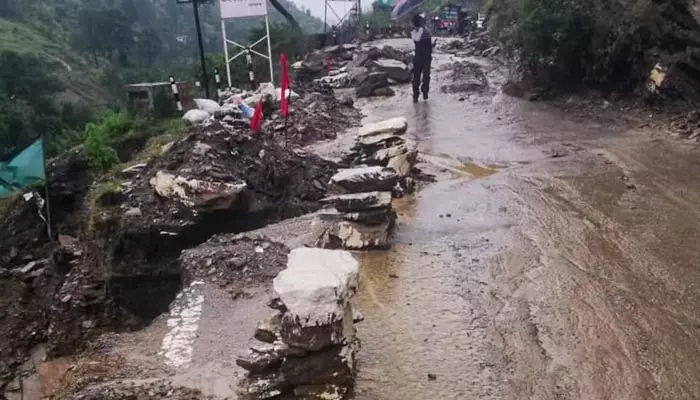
point(256, 120)
point(284, 104)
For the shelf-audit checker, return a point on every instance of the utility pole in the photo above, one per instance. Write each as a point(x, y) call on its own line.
point(205, 75)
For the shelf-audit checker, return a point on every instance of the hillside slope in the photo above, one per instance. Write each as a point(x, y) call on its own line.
point(80, 78)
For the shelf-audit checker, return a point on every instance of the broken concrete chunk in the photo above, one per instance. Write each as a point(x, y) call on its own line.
point(257, 387)
point(261, 347)
point(396, 70)
point(29, 267)
point(318, 337)
point(320, 392)
point(367, 179)
point(350, 235)
point(395, 126)
point(370, 83)
point(334, 366)
point(359, 201)
point(133, 212)
point(268, 330)
point(316, 285)
point(285, 350)
point(403, 164)
point(203, 195)
point(133, 170)
point(382, 156)
point(258, 363)
point(371, 217)
point(373, 142)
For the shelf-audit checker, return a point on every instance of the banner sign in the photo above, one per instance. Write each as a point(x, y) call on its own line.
point(242, 8)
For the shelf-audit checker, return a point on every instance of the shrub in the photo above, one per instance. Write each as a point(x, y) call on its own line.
point(99, 135)
point(565, 41)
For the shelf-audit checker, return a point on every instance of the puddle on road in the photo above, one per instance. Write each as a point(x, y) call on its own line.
point(476, 170)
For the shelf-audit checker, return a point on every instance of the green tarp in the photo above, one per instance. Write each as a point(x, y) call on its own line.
point(24, 169)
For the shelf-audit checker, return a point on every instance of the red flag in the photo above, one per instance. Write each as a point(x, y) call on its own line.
point(256, 120)
point(284, 104)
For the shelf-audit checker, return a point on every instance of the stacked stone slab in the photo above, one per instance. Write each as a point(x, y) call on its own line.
point(384, 144)
point(306, 349)
point(356, 221)
point(361, 216)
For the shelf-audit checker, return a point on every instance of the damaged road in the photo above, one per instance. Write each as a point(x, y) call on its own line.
point(554, 256)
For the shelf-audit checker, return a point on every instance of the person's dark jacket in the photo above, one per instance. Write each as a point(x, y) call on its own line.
point(423, 41)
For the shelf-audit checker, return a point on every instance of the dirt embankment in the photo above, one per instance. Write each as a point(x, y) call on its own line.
point(113, 264)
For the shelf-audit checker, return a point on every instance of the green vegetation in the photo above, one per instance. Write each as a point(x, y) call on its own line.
point(98, 136)
point(62, 61)
point(575, 41)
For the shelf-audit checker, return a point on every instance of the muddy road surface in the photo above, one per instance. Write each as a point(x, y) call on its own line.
point(554, 258)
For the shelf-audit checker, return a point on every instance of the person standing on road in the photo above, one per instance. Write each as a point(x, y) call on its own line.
point(422, 59)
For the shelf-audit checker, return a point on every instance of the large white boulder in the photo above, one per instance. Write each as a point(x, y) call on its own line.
point(394, 126)
point(196, 116)
point(207, 105)
point(317, 284)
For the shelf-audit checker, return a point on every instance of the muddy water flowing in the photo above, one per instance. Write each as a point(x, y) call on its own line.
point(525, 275)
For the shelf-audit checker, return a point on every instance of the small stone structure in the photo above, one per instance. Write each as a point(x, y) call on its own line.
point(156, 99)
point(307, 348)
point(356, 221)
point(362, 216)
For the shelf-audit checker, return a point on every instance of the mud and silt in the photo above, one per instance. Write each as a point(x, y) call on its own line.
point(539, 278)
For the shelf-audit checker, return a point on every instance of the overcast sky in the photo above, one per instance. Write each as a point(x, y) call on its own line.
point(340, 7)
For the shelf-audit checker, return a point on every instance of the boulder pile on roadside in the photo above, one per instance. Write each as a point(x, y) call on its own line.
point(475, 43)
point(315, 114)
point(307, 348)
point(370, 70)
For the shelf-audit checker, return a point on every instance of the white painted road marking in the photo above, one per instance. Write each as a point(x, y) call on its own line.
point(185, 312)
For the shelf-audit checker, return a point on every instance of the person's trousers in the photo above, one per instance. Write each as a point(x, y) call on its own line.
point(421, 76)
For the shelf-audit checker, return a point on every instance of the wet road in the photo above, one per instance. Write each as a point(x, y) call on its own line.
point(522, 275)
point(554, 258)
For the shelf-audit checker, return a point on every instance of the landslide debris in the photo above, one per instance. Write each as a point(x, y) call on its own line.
point(235, 262)
point(113, 265)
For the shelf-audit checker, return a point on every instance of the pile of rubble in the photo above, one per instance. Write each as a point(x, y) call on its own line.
point(361, 215)
point(234, 262)
point(307, 348)
point(313, 116)
point(370, 70)
point(476, 43)
point(465, 77)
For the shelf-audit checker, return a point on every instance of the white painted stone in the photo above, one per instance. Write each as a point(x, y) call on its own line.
point(394, 126)
point(317, 284)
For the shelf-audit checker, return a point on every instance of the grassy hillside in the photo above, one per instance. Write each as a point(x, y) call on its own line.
point(79, 78)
